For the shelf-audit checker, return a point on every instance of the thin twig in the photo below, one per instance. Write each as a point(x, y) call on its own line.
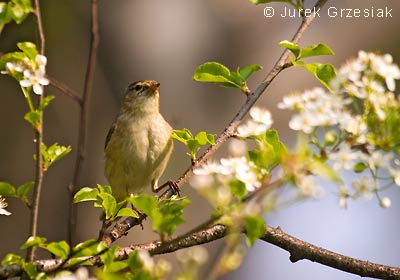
point(298, 250)
point(85, 102)
point(39, 172)
point(65, 89)
point(282, 63)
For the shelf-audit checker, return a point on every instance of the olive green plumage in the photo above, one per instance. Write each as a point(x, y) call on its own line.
point(139, 144)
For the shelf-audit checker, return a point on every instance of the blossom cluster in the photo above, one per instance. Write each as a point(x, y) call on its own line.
point(213, 177)
point(359, 117)
point(260, 122)
point(33, 74)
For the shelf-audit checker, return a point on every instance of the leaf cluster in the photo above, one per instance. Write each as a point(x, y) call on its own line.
point(193, 143)
point(215, 72)
point(14, 10)
point(323, 72)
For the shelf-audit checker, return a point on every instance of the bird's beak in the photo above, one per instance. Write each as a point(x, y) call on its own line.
point(154, 85)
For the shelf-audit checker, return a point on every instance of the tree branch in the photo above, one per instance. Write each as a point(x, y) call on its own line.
point(297, 248)
point(39, 172)
point(65, 89)
point(85, 102)
point(282, 63)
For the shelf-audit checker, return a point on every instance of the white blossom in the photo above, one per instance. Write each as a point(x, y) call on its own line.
point(211, 168)
point(378, 159)
point(3, 204)
point(81, 273)
point(395, 172)
point(146, 259)
point(35, 79)
point(261, 116)
point(197, 254)
point(12, 67)
point(202, 181)
point(345, 157)
point(385, 202)
point(34, 74)
point(364, 187)
point(315, 108)
point(243, 170)
point(237, 148)
point(356, 126)
point(251, 128)
point(383, 65)
point(260, 122)
point(308, 187)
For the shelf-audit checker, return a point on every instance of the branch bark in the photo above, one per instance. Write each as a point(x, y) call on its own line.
point(39, 172)
point(65, 89)
point(298, 249)
point(84, 109)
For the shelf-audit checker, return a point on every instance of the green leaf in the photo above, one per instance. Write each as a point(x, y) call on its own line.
point(270, 150)
point(110, 264)
point(182, 135)
point(248, 70)
point(89, 247)
point(116, 266)
point(53, 154)
point(108, 257)
point(148, 204)
point(86, 194)
point(105, 189)
point(6, 189)
point(5, 15)
point(20, 9)
point(42, 276)
point(109, 205)
point(45, 102)
point(293, 47)
point(193, 143)
point(29, 49)
point(238, 188)
point(315, 50)
point(272, 137)
point(127, 212)
point(204, 138)
point(60, 249)
point(30, 269)
point(255, 229)
point(34, 241)
point(12, 57)
point(323, 72)
point(214, 72)
point(165, 215)
point(360, 167)
point(33, 117)
point(171, 215)
point(23, 190)
point(10, 259)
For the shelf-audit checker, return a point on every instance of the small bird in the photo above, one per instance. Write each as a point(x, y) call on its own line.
point(139, 143)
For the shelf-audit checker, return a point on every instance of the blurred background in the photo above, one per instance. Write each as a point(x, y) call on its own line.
point(166, 41)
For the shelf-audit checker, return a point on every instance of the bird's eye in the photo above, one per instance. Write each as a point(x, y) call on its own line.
point(138, 87)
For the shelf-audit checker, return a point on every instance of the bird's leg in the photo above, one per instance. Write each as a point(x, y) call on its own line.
point(172, 186)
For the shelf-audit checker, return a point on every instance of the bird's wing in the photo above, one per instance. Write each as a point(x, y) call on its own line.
point(110, 133)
